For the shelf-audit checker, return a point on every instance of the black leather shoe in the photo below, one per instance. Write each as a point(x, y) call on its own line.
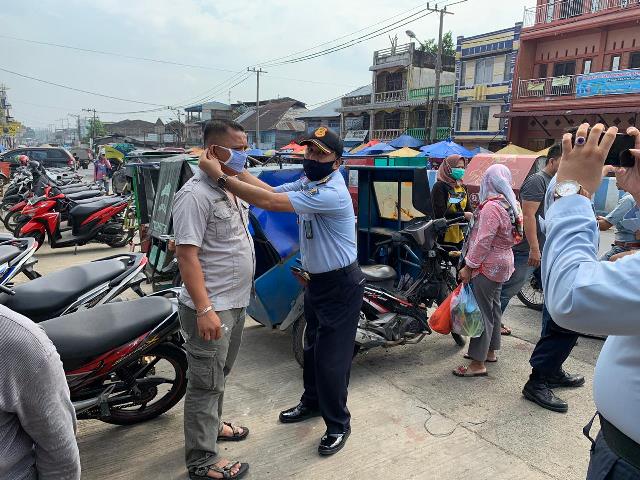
point(299, 413)
point(332, 443)
point(563, 379)
point(540, 393)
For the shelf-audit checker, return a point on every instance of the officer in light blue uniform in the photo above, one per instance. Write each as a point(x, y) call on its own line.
point(333, 297)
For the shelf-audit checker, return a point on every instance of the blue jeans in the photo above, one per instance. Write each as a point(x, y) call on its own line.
point(615, 249)
point(521, 274)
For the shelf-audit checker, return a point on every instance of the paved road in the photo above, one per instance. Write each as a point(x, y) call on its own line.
point(411, 417)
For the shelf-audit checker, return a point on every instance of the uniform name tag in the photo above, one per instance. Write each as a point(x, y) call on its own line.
point(308, 229)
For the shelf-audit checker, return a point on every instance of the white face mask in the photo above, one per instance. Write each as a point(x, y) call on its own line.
point(233, 159)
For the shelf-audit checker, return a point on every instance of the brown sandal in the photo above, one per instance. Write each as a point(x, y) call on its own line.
point(236, 436)
point(200, 473)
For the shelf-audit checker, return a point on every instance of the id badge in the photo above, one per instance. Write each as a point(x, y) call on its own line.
point(308, 229)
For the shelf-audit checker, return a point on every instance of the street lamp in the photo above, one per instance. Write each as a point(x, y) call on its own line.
point(412, 35)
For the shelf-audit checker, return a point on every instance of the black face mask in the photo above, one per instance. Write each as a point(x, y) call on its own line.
point(315, 170)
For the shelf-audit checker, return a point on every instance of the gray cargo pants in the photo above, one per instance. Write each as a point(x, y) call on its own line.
point(209, 364)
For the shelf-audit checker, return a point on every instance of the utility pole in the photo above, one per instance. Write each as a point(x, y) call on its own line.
point(77, 117)
point(436, 92)
point(257, 72)
point(93, 125)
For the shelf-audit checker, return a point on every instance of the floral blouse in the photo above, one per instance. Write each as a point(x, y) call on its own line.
point(490, 243)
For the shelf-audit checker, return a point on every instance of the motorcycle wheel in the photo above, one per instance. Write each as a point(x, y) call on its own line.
point(141, 413)
point(531, 295)
point(298, 341)
point(123, 241)
point(11, 220)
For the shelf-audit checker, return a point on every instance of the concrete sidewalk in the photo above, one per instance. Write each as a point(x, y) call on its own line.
point(411, 417)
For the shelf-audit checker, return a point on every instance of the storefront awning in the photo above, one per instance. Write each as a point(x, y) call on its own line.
point(555, 113)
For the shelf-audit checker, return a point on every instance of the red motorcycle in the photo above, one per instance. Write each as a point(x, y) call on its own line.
point(53, 199)
point(123, 361)
point(106, 220)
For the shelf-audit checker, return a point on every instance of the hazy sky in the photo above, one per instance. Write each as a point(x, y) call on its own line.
point(218, 34)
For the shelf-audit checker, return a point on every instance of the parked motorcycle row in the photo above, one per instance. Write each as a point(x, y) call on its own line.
point(123, 360)
point(55, 205)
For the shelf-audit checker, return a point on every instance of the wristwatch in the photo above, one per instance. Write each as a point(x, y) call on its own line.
point(222, 181)
point(569, 187)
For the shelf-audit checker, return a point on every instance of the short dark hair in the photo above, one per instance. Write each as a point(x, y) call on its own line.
point(555, 151)
point(214, 128)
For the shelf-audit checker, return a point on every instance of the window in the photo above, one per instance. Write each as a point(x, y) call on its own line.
point(634, 60)
point(479, 118)
point(542, 72)
point(564, 69)
point(393, 82)
point(586, 66)
point(463, 72)
point(484, 71)
point(334, 124)
point(615, 62)
point(507, 68)
point(391, 121)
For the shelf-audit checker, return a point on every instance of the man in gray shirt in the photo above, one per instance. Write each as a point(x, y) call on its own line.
point(37, 419)
point(217, 263)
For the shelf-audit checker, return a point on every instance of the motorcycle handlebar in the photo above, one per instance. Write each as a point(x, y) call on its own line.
point(460, 219)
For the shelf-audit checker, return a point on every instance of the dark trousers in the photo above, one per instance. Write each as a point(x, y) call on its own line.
point(553, 348)
point(332, 304)
point(606, 465)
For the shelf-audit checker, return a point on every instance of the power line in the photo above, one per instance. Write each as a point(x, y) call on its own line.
point(369, 36)
point(78, 89)
point(344, 36)
point(115, 54)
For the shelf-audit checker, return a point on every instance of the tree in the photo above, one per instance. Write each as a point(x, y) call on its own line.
point(431, 45)
point(94, 129)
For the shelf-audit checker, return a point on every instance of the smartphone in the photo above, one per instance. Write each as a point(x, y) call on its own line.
point(619, 155)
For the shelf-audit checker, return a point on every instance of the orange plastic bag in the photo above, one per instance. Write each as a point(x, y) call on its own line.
point(440, 321)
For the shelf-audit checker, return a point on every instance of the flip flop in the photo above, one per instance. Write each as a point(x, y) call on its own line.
point(504, 330)
point(465, 372)
point(466, 355)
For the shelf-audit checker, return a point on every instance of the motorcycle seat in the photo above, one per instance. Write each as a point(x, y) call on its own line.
point(71, 190)
point(84, 194)
point(86, 209)
point(85, 201)
point(8, 253)
point(378, 273)
point(82, 336)
point(50, 295)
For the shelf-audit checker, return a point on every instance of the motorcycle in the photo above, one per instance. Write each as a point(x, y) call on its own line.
point(397, 315)
point(76, 288)
point(123, 361)
point(53, 199)
point(16, 256)
point(102, 221)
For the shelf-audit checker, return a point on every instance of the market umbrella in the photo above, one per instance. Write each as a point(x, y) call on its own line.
point(445, 148)
point(478, 150)
point(377, 149)
point(512, 149)
point(544, 151)
point(405, 152)
point(363, 146)
point(292, 147)
point(405, 140)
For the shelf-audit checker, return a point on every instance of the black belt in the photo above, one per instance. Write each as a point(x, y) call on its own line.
point(334, 273)
point(620, 444)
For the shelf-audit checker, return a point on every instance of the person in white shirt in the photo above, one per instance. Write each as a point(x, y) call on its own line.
point(590, 296)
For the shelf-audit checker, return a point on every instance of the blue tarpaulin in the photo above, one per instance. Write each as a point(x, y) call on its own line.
point(406, 141)
point(445, 148)
point(376, 149)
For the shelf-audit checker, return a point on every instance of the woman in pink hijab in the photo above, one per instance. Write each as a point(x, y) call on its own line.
point(489, 262)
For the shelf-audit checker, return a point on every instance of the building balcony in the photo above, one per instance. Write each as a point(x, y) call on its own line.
point(442, 133)
point(568, 11)
point(390, 96)
point(580, 86)
point(356, 101)
point(387, 134)
point(405, 55)
point(428, 92)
